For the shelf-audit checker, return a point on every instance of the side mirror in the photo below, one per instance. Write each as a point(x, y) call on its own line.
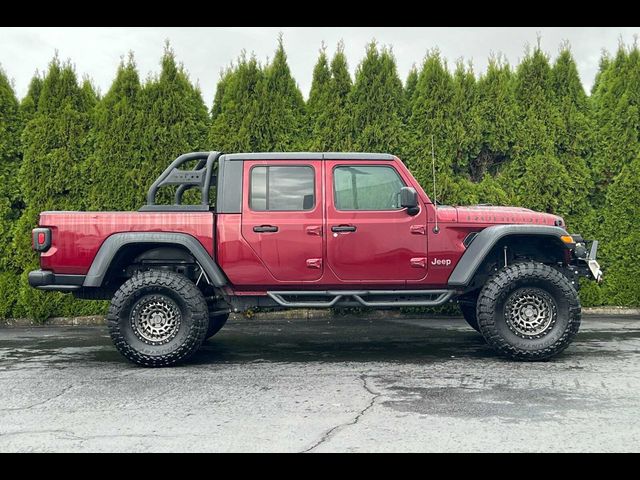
point(409, 200)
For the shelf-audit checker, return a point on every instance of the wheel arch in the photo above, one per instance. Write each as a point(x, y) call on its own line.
point(121, 249)
point(534, 242)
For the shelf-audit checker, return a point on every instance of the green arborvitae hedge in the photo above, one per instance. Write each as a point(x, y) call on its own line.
point(11, 125)
point(112, 166)
point(174, 121)
point(377, 104)
point(54, 142)
point(328, 113)
point(526, 135)
point(621, 238)
point(236, 108)
point(281, 117)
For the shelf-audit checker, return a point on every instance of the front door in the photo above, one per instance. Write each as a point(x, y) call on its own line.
point(282, 217)
point(370, 238)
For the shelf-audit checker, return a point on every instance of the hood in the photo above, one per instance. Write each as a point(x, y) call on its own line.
point(488, 214)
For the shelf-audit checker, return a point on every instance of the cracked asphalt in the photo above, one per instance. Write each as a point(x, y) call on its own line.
point(346, 384)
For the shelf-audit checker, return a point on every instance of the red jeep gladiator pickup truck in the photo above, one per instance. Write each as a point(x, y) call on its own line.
point(297, 230)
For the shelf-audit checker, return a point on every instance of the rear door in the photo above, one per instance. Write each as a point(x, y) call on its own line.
point(282, 217)
point(369, 236)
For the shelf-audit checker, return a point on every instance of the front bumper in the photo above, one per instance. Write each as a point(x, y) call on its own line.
point(586, 259)
point(47, 280)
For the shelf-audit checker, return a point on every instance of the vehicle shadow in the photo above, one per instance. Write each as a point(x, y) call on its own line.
point(340, 341)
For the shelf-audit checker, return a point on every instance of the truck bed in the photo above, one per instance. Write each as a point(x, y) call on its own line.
point(76, 237)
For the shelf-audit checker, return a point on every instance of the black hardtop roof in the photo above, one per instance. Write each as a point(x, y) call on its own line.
point(308, 156)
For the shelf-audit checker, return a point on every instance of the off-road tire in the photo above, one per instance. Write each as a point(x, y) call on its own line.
point(536, 279)
point(469, 313)
point(180, 294)
point(216, 322)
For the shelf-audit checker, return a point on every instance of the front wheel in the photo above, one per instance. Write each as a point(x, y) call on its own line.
point(528, 311)
point(158, 318)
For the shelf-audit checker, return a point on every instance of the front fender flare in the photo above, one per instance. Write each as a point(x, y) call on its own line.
point(114, 243)
point(485, 240)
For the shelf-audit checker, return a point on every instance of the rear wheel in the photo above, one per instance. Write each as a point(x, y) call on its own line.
point(157, 318)
point(528, 311)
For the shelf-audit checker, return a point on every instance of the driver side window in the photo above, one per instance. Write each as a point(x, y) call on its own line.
point(367, 187)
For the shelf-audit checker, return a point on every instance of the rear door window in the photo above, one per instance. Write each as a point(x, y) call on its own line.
point(284, 188)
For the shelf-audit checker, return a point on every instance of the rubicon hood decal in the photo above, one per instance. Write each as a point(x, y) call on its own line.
point(490, 214)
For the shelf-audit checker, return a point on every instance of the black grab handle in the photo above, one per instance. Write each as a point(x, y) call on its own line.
point(265, 228)
point(343, 228)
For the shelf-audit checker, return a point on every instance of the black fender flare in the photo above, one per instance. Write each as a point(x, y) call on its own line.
point(114, 243)
point(485, 240)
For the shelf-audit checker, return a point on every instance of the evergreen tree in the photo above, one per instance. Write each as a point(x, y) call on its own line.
point(620, 238)
point(328, 107)
point(614, 165)
point(466, 127)
point(497, 117)
point(574, 141)
point(536, 177)
point(54, 144)
point(318, 102)
point(409, 90)
point(432, 125)
point(174, 121)
point(29, 103)
point(377, 103)
point(616, 103)
point(338, 116)
point(216, 109)
point(91, 97)
point(340, 77)
point(236, 109)
point(10, 156)
point(10, 204)
point(282, 108)
point(411, 84)
point(114, 164)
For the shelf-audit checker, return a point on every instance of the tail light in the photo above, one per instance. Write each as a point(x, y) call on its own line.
point(41, 239)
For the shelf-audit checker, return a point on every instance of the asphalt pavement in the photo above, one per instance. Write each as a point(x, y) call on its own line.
point(346, 384)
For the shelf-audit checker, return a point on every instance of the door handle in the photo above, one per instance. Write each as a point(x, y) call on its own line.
point(343, 228)
point(265, 228)
point(314, 230)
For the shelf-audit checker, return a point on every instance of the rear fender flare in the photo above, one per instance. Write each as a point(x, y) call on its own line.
point(114, 243)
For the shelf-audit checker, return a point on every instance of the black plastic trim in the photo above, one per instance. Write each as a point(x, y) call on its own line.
point(229, 188)
point(485, 240)
point(174, 208)
point(469, 238)
point(114, 243)
point(41, 247)
point(47, 280)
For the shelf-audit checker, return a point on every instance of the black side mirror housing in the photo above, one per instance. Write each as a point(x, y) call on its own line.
point(409, 200)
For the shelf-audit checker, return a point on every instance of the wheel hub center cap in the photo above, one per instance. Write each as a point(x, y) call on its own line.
point(530, 312)
point(156, 319)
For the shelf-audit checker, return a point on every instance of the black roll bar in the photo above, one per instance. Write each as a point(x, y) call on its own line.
point(199, 177)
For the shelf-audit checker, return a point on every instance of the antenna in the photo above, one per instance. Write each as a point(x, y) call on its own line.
point(436, 229)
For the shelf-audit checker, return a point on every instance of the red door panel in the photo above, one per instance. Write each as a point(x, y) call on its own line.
point(371, 245)
point(280, 220)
